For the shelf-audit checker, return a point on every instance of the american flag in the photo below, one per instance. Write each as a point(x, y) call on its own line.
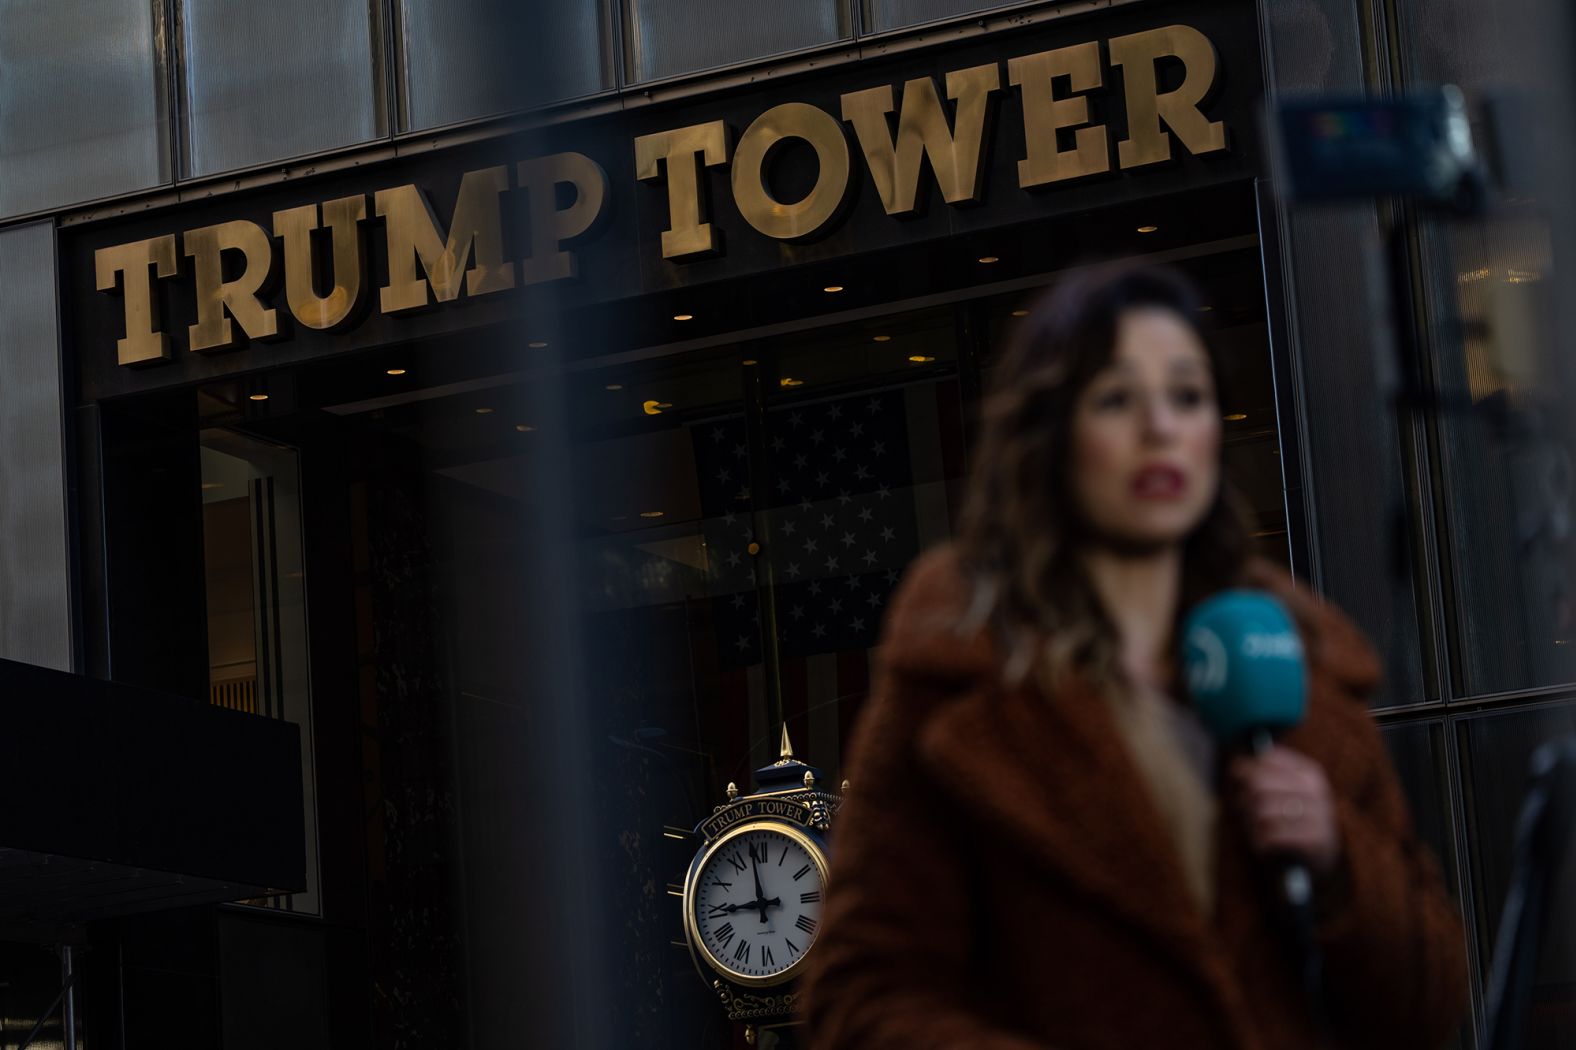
point(856, 487)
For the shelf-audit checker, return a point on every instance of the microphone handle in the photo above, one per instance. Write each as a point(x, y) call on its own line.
point(1296, 890)
point(1296, 883)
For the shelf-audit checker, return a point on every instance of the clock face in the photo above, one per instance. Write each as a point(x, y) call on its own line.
point(757, 902)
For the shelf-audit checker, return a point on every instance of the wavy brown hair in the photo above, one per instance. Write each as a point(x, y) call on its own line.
point(1021, 530)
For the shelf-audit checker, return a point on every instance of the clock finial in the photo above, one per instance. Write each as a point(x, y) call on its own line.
point(787, 750)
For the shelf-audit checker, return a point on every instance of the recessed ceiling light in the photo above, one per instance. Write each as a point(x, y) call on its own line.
point(882, 338)
point(920, 359)
point(537, 344)
point(1020, 313)
point(208, 486)
point(1236, 417)
point(749, 361)
point(651, 514)
point(257, 397)
point(614, 386)
point(396, 371)
point(832, 288)
point(684, 317)
point(790, 381)
point(652, 408)
point(988, 259)
point(484, 410)
point(1148, 229)
point(524, 428)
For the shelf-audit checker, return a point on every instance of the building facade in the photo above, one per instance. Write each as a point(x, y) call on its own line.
point(537, 408)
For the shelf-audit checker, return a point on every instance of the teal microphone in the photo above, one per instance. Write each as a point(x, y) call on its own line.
point(1243, 666)
point(1242, 663)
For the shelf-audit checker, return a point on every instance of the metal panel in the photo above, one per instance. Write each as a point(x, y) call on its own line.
point(466, 59)
point(882, 15)
point(667, 37)
point(35, 604)
point(82, 106)
point(267, 82)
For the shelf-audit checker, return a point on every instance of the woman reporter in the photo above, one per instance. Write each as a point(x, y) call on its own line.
point(1041, 847)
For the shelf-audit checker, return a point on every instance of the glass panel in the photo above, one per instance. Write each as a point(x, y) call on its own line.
point(458, 64)
point(28, 994)
point(1491, 299)
point(667, 37)
point(1354, 471)
point(82, 115)
point(269, 82)
point(256, 591)
point(1495, 752)
point(1418, 752)
point(1511, 544)
point(35, 570)
point(881, 15)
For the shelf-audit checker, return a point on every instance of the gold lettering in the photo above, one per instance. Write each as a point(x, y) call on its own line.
point(144, 341)
point(791, 120)
point(294, 226)
point(219, 300)
point(1044, 114)
point(550, 225)
point(1147, 142)
point(413, 235)
point(922, 131)
point(682, 151)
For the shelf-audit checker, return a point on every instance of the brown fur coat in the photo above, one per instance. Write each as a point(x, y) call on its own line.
point(1002, 880)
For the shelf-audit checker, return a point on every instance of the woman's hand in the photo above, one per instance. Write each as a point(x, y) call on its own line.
point(1286, 799)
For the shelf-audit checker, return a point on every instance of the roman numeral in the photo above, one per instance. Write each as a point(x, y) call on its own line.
point(791, 946)
point(733, 859)
point(812, 897)
point(742, 953)
point(718, 882)
point(806, 924)
point(783, 857)
point(724, 934)
point(801, 873)
point(718, 910)
point(766, 956)
point(758, 857)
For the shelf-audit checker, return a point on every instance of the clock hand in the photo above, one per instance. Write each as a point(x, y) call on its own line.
point(774, 902)
point(760, 894)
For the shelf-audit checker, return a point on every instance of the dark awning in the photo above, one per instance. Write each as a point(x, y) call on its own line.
point(120, 799)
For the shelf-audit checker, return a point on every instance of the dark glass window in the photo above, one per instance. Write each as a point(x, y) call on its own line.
point(1495, 752)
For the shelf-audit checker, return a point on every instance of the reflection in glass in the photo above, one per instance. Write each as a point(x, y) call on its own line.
point(83, 113)
point(256, 591)
point(668, 37)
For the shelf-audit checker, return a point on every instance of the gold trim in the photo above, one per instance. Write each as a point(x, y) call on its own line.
point(691, 931)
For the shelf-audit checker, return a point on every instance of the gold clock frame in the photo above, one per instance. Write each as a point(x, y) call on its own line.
point(692, 931)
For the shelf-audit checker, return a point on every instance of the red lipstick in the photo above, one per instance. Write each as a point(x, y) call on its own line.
point(1158, 481)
